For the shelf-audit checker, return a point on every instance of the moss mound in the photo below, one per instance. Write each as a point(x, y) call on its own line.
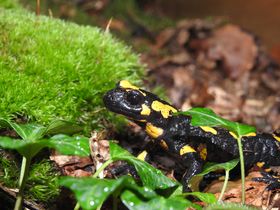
point(51, 69)
point(9, 4)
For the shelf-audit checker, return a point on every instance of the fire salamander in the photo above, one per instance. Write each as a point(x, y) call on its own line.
point(176, 135)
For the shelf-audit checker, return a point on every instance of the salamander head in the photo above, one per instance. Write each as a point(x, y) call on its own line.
point(135, 103)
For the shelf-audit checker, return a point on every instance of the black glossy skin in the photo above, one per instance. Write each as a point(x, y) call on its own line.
point(177, 132)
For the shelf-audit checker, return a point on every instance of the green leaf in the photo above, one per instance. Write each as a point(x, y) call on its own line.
point(64, 144)
point(62, 126)
point(32, 132)
point(25, 131)
point(133, 202)
point(229, 206)
point(68, 145)
point(205, 197)
point(178, 191)
point(27, 149)
point(92, 192)
point(208, 167)
point(206, 117)
point(149, 175)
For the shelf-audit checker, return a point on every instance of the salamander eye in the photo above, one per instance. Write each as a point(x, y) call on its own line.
point(134, 97)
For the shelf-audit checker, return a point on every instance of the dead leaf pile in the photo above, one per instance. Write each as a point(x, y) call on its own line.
point(220, 66)
point(256, 194)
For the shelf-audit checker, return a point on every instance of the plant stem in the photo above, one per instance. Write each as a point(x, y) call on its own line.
point(224, 186)
point(95, 175)
point(242, 168)
point(77, 207)
point(22, 179)
point(115, 201)
point(102, 167)
point(99, 207)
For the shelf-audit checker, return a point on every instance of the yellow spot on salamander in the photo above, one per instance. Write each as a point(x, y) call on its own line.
point(186, 149)
point(126, 84)
point(277, 177)
point(221, 178)
point(276, 137)
point(163, 144)
point(251, 134)
point(248, 134)
point(209, 129)
point(164, 109)
point(260, 164)
point(145, 110)
point(267, 169)
point(153, 131)
point(142, 155)
point(203, 153)
point(233, 135)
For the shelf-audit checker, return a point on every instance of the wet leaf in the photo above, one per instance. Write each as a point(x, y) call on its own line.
point(149, 175)
point(25, 131)
point(32, 132)
point(133, 202)
point(68, 145)
point(205, 197)
point(215, 166)
point(209, 167)
point(64, 144)
point(62, 126)
point(92, 192)
point(26, 148)
point(206, 117)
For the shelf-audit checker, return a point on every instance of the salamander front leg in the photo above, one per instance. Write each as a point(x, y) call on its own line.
point(126, 169)
point(193, 163)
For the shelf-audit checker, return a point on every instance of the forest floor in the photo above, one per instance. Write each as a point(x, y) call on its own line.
point(203, 63)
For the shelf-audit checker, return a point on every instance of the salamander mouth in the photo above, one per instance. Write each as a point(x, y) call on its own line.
point(108, 99)
point(112, 102)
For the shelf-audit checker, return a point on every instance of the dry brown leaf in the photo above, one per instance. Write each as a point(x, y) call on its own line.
point(73, 171)
point(164, 37)
point(224, 103)
point(182, 37)
point(256, 194)
point(236, 49)
point(99, 150)
point(73, 165)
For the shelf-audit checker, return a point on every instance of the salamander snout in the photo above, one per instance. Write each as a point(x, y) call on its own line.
point(111, 99)
point(127, 102)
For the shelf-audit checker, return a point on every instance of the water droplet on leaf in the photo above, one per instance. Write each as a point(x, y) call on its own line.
point(91, 203)
point(131, 203)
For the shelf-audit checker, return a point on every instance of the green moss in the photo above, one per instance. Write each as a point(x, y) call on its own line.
point(42, 183)
point(9, 4)
point(52, 69)
point(9, 170)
